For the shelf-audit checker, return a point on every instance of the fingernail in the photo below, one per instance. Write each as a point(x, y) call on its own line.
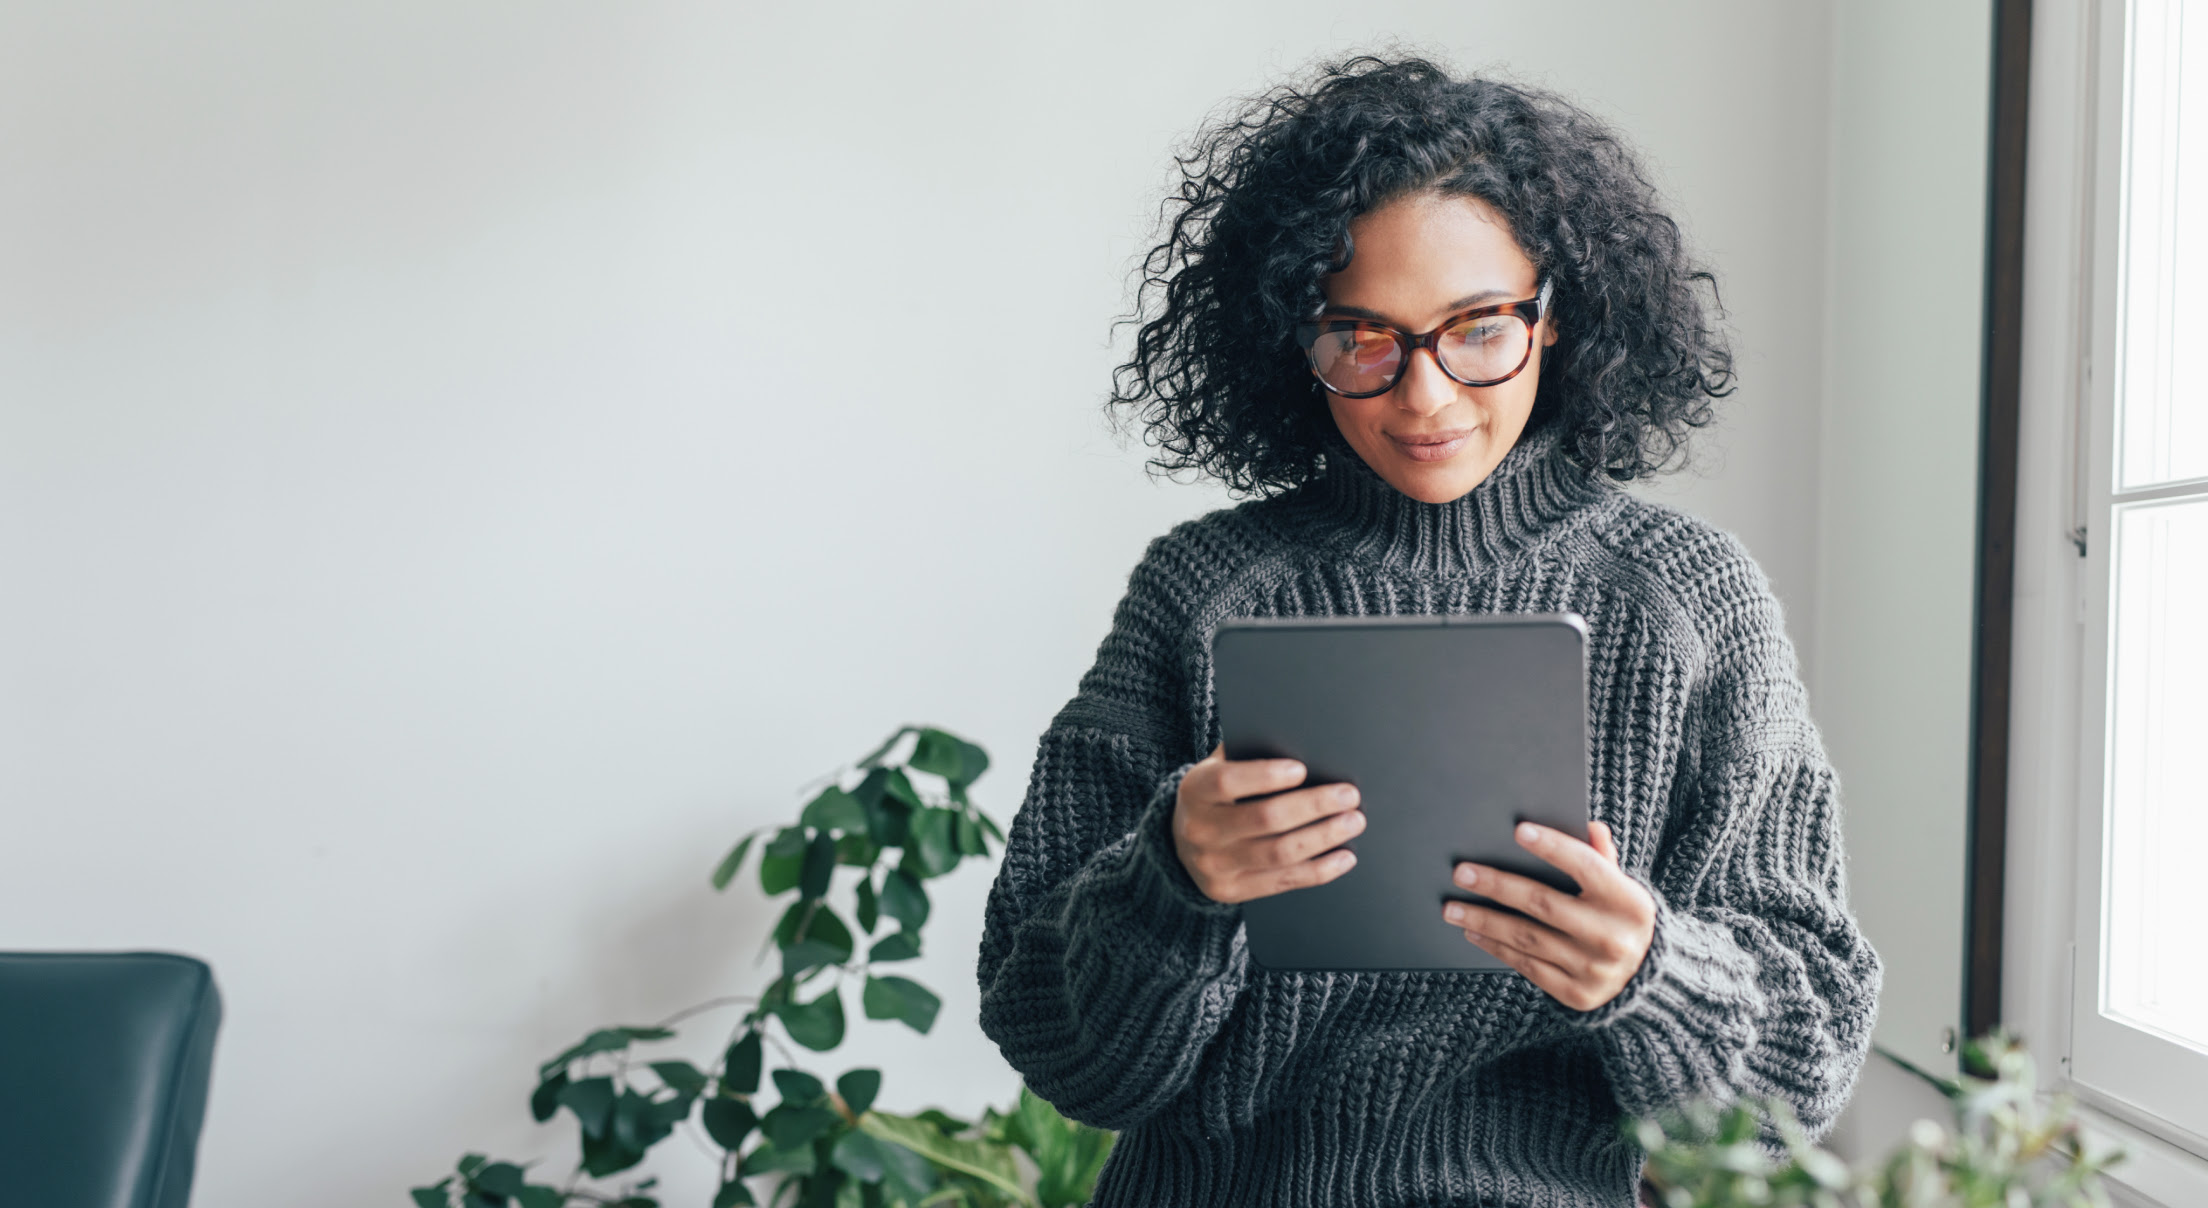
point(1528, 832)
point(1355, 822)
point(1289, 767)
point(1467, 875)
point(1346, 794)
point(1453, 912)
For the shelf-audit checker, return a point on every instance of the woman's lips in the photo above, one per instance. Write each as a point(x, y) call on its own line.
point(1432, 446)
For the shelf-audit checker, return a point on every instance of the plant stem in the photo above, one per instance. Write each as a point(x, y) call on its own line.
point(701, 1008)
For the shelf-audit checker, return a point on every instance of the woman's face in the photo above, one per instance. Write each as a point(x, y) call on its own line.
point(1419, 260)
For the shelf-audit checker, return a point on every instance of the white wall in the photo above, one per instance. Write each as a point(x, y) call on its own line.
point(1898, 456)
point(434, 522)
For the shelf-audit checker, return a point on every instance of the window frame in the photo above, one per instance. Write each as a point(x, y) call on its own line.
point(2157, 1082)
point(2130, 1093)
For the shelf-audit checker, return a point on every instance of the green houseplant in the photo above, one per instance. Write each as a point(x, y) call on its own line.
point(2009, 1149)
point(854, 865)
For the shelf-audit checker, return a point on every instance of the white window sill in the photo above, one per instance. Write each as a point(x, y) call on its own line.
point(2154, 1173)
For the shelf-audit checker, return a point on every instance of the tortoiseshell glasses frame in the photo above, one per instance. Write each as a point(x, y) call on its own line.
point(1528, 313)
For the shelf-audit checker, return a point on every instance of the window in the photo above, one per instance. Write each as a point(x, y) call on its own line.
point(2140, 1003)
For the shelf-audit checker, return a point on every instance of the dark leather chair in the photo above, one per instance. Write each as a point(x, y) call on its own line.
point(104, 1059)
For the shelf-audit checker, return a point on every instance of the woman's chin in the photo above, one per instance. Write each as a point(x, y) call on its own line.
point(1442, 481)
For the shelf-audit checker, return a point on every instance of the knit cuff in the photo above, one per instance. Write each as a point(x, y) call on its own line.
point(1162, 899)
point(1695, 973)
point(1683, 1022)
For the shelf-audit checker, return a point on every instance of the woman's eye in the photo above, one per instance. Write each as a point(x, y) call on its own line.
point(1372, 349)
point(1478, 332)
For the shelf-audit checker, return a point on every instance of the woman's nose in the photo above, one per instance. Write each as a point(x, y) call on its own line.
point(1424, 389)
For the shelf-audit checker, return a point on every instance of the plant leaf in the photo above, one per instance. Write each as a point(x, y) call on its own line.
point(592, 1102)
point(498, 1178)
point(970, 840)
point(607, 1155)
point(857, 851)
point(740, 1065)
point(1068, 1156)
point(953, 758)
point(639, 1123)
point(810, 935)
point(432, 1197)
point(903, 999)
point(788, 841)
point(887, 818)
point(904, 900)
point(834, 810)
point(870, 906)
point(684, 1077)
point(766, 1159)
point(728, 1122)
point(896, 787)
point(787, 1127)
point(799, 1087)
point(604, 1040)
point(899, 946)
point(536, 1195)
point(935, 841)
point(859, 1155)
point(870, 1159)
point(858, 1087)
point(545, 1100)
point(820, 865)
point(733, 1195)
point(733, 862)
point(783, 861)
point(780, 874)
point(944, 1122)
point(818, 1025)
point(989, 1162)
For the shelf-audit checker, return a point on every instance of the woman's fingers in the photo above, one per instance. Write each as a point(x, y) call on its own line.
point(1301, 875)
point(1324, 835)
point(1596, 869)
point(1244, 830)
point(1534, 939)
point(1604, 843)
point(1554, 907)
point(1583, 949)
point(1559, 984)
point(1239, 778)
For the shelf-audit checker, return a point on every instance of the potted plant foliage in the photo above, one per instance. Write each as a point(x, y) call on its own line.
point(854, 867)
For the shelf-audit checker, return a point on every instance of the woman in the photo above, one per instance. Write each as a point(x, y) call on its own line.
point(1427, 323)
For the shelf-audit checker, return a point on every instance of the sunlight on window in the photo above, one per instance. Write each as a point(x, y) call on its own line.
point(2158, 817)
point(2155, 974)
point(2164, 422)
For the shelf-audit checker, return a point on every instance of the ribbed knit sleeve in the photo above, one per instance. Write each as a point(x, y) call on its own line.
point(1104, 971)
point(1758, 981)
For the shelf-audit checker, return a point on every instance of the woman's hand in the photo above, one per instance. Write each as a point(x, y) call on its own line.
point(1583, 949)
point(1236, 850)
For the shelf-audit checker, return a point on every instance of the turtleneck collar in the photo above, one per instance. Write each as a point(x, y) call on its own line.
point(1352, 510)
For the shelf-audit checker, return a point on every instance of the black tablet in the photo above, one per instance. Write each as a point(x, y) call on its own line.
point(1453, 728)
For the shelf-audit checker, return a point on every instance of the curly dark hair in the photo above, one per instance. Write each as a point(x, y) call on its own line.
point(1262, 214)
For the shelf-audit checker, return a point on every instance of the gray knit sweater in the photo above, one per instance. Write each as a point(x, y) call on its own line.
point(1127, 999)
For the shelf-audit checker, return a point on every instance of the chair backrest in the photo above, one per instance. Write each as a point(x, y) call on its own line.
point(104, 1060)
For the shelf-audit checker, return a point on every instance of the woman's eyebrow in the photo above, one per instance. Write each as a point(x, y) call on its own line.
point(1467, 302)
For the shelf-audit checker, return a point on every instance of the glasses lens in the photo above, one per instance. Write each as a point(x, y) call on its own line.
point(1486, 348)
point(1355, 361)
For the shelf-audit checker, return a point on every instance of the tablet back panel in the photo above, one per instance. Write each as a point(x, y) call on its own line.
point(1453, 728)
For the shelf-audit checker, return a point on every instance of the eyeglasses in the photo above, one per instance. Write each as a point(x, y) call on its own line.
point(1479, 347)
